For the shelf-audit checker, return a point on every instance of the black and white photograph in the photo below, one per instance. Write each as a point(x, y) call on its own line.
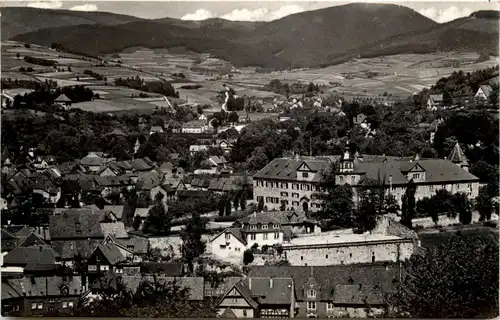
point(249, 159)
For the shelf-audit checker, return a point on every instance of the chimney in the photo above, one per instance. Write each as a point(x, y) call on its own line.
point(271, 282)
point(255, 214)
point(250, 283)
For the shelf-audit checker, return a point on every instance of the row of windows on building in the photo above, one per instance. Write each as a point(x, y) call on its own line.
point(311, 306)
point(264, 226)
point(103, 268)
point(284, 185)
point(39, 305)
point(264, 236)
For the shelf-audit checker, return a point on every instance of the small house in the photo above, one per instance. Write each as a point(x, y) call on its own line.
point(434, 101)
point(484, 92)
point(63, 100)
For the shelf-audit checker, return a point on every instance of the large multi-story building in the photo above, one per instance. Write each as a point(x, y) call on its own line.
point(294, 183)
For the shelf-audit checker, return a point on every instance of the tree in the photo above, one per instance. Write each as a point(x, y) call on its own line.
point(248, 256)
point(365, 217)
point(459, 279)
point(283, 206)
point(136, 224)
point(221, 205)
point(258, 159)
point(442, 202)
point(236, 201)
point(493, 98)
point(408, 205)
point(243, 199)
point(158, 220)
point(305, 206)
point(463, 207)
point(193, 245)
point(233, 117)
point(260, 205)
point(337, 200)
point(228, 207)
point(484, 204)
point(152, 298)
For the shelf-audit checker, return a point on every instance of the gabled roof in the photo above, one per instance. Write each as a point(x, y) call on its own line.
point(142, 212)
point(135, 244)
point(457, 155)
point(62, 98)
point(111, 253)
point(75, 225)
point(149, 180)
point(24, 255)
point(259, 218)
point(286, 168)
point(270, 290)
point(32, 240)
point(116, 209)
point(117, 132)
point(68, 249)
point(328, 277)
point(358, 294)
point(42, 286)
point(487, 90)
point(236, 232)
point(115, 229)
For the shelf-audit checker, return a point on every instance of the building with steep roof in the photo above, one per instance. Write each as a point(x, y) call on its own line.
point(434, 101)
point(294, 183)
point(258, 297)
point(337, 291)
point(36, 296)
point(457, 156)
point(259, 229)
point(483, 92)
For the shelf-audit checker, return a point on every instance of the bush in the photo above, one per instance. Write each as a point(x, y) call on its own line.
point(247, 256)
point(491, 224)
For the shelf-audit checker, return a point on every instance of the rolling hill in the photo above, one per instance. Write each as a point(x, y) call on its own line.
point(304, 39)
point(479, 32)
point(19, 20)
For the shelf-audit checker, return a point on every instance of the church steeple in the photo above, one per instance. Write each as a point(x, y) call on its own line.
point(457, 156)
point(347, 161)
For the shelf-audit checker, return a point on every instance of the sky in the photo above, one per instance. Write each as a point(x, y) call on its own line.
point(442, 11)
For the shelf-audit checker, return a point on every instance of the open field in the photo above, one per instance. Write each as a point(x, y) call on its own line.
point(117, 104)
point(399, 75)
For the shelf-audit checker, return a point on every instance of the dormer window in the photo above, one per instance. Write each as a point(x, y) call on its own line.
point(305, 174)
point(311, 293)
point(253, 227)
point(276, 226)
point(265, 226)
point(228, 236)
